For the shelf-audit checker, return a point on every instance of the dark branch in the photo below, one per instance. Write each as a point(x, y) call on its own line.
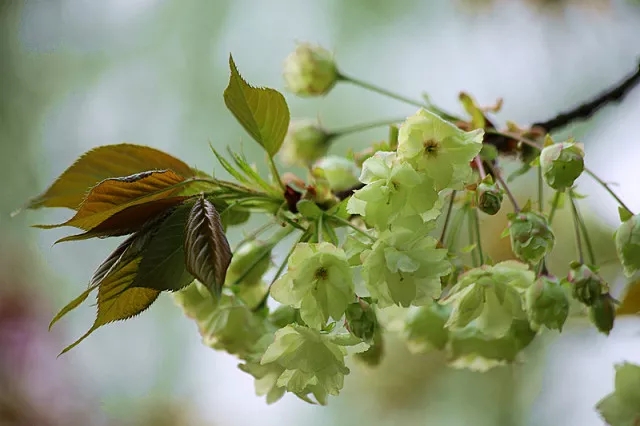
point(587, 110)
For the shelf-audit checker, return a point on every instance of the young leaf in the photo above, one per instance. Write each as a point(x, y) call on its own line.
point(114, 195)
point(207, 250)
point(263, 112)
point(128, 220)
point(130, 247)
point(103, 163)
point(163, 259)
point(116, 300)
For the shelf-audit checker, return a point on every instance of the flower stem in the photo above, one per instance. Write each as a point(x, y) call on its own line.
point(447, 216)
point(607, 188)
point(480, 167)
point(352, 226)
point(504, 185)
point(576, 227)
point(472, 234)
point(585, 233)
point(554, 206)
point(396, 96)
point(476, 223)
point(274, 172)
point(334, 134)
point(540, 190)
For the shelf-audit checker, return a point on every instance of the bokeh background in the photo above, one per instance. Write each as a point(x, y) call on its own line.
point(75, 74)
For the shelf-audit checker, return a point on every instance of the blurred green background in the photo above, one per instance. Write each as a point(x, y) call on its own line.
point(76, 74)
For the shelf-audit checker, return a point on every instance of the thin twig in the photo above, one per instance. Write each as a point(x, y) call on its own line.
point(576, 227)
point(447, 216)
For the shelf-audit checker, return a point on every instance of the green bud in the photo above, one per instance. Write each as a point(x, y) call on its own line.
point(562, 164)
point(284, 315)
point(531, 236)
point(373, 355)
point(310, 71)
point(339, 172)
point(627, 238)
point(489, 198)
point(603, 313)
point(361, 320)
point(547, 303)
point(586, 285)
point(249, 263)
point(304, 143)
point(425, 328)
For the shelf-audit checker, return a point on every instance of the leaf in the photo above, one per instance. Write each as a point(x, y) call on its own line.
point(478, 121)
point(116, 300)
point(128, 220)
point(114, 195)
point(133, 244)
point(102, 163)
point(163, 260)
point(631, 303)
point(624, 214)
point(309, 209)
point(263, 112)
point(207, 250)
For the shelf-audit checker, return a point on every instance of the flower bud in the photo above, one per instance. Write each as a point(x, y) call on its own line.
point(531, 236)
point(489, 198)
point(249, 263)
point(562, 164)
point(304, 143)
point(547, 303)
point(373, 355)
point(310, 71)
point(603, 313)
point(627, 239)
point(587, 286)
point(339, 172)
point(361, 320)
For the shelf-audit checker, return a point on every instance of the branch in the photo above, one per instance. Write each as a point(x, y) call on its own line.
point(587, 110)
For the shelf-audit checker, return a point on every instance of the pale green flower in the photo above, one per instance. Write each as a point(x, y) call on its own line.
point(393, 190)
point(489, 296)
point(318, 281)
point(562, 164)
point(439, 149)
point(627, 238)
point(404, 266)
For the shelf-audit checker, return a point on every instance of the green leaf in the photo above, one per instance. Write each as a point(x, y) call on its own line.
point(163, 266)
point(263, 112)
point(207, 250)
point(114, 195)
point(478, 121)
point(625, 214)
point(101, 163)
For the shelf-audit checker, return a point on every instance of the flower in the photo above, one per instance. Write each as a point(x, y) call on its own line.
point(562, 164)
point(310, 71)
point(531, 236)
point(438, 148)
point(547, 303)
point(489, 296)
point(627, 238)
point(393, 189)
point(318, 282)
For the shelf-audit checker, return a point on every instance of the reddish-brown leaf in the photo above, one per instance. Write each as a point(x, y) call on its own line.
point(128, 220)
point(112, 196)
point(102, 163)
point(206, 249)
